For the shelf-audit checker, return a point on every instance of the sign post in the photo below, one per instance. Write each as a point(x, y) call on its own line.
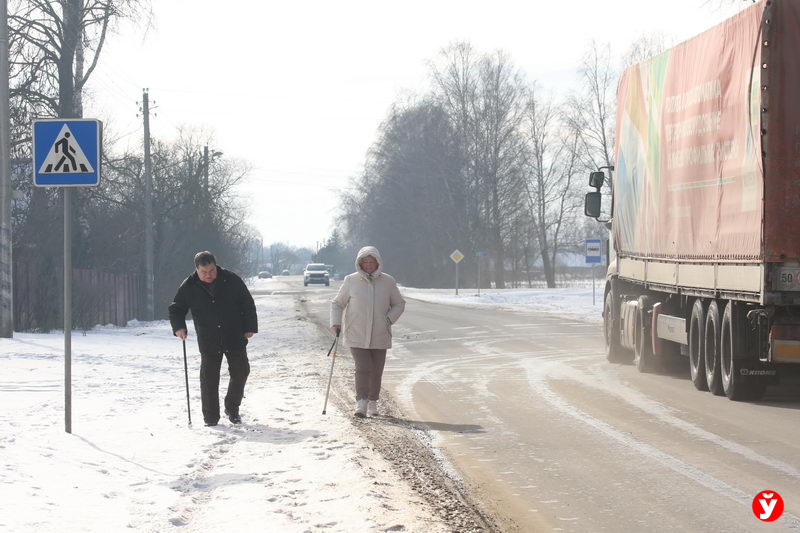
point(593, 256)
point(479, 255)
point(66, 153)
point(456, 256)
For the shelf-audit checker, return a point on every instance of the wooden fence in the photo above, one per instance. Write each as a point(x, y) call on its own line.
point(97, 298)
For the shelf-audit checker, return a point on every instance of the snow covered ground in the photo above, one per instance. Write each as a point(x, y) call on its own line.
point(578, 303)
point(133, 463)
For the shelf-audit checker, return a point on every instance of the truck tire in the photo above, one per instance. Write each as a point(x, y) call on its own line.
point(643, 345)
point(711, 349)
point(697, 357)
point(735, 362)
point(615, 353)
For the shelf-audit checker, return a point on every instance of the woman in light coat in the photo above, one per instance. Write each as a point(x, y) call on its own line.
point(371, 303)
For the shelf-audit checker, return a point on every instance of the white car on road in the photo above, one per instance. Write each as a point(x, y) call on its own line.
point(316, 273)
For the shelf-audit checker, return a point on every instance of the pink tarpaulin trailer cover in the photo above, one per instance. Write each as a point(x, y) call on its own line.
point(707, 151)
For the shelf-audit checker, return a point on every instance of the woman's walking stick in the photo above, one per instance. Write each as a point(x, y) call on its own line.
point(186, 373)
point(332, 349)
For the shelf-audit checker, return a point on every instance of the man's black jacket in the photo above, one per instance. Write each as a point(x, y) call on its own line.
point(221, 319)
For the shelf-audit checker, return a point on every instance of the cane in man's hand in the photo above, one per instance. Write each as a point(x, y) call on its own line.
point(333, 361)
point(186, 373)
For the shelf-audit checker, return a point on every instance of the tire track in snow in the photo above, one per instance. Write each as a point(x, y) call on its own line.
point(611, 385)
point(538, 376)
point(541, 364)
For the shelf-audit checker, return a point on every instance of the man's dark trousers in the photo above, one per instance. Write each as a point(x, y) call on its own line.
point(239, 369)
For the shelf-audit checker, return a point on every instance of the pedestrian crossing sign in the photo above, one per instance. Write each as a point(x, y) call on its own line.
point(66, 152)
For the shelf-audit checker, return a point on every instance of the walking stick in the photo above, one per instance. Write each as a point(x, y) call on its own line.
point(186, 374)
point(333, 361)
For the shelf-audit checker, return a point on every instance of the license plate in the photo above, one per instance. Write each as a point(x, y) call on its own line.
point(787, 279)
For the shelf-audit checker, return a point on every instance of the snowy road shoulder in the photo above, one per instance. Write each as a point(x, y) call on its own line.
point(133, 463)
point(583, 304)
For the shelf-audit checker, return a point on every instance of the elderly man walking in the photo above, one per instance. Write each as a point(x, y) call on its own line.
point(225, 318)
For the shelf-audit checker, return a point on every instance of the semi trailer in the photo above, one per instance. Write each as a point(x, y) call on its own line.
point(704, 209)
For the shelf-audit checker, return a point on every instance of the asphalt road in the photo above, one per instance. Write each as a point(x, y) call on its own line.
point(551, 437)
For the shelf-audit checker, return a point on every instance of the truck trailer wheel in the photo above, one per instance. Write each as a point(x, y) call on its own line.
point(615, 353)
point(643, 352)
point(735, 363)
point(697, 357)
point(711, 349)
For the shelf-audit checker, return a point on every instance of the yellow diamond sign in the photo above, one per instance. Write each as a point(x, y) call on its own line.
point(456, 256)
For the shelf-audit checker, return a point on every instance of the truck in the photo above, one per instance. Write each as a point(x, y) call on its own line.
point(704, 206)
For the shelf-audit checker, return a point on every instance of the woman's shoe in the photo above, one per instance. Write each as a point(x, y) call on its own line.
point(361, 408)
point(372, 408)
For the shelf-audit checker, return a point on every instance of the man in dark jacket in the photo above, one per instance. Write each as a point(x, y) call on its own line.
point(224, 318)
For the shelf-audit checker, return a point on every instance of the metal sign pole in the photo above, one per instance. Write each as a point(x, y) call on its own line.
point(456, 279)
point(68, 309)
point(593, 256)
point(479, 275)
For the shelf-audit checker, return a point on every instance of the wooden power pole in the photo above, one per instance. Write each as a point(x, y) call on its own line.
point(149, 252)
point(6, 278)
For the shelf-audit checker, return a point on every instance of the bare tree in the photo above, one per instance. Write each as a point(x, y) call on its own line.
point(51, 45)
point(646, 47)
point(188, 216)
point(412, 182)
point(484, 98)
point(457, 84)
point(54, 48)
point(591, 111)
point(282, 256)
point(554, 160)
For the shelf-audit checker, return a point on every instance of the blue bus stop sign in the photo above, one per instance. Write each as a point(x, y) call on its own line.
point(66, 152)
point(593, 251)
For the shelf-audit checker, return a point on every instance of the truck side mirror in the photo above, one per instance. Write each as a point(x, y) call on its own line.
point(596, 179)
point(591, 204)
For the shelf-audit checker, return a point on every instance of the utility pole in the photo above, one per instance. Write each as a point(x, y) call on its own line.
point(149, 254)
point(205, 171)
point(6, 278)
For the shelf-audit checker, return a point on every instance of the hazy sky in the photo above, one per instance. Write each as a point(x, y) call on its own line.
point(298, 89)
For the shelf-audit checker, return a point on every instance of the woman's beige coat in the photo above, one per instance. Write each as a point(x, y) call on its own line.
point(370, 303)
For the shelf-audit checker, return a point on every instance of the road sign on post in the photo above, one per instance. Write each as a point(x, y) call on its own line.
point(456, 256)
point(66, 153)
point(593, 256)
